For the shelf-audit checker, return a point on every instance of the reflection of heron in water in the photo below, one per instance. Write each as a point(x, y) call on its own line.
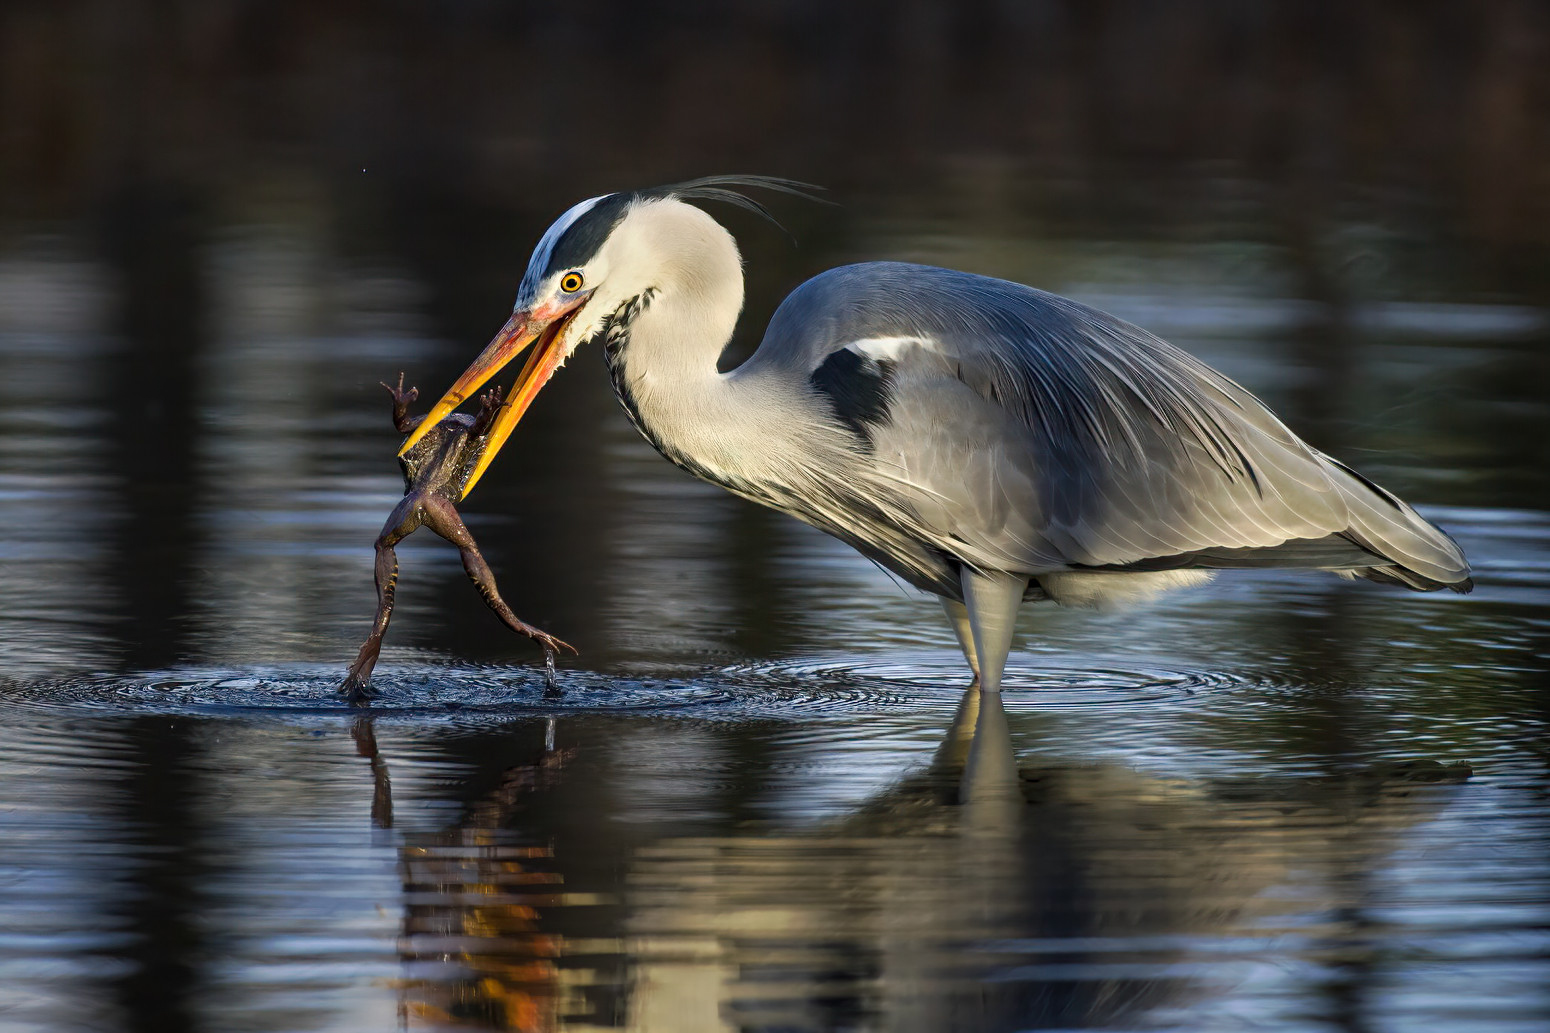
point(1009, 898)
point(1051, 896)
point(987, 442)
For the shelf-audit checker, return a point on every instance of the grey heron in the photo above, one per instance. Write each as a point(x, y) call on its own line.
point(987, 442)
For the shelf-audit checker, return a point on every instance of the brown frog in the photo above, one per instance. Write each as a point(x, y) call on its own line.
point(436, 472)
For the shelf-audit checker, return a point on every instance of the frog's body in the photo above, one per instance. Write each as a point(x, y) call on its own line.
point(436, 472)
point(441, 462)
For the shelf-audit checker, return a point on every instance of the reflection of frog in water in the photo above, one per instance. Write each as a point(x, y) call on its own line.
point(436, 471)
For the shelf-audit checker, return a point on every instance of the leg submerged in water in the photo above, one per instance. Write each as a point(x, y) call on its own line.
point(958, 616)
point(990, 603)
point(405, 518)
point(991, 600)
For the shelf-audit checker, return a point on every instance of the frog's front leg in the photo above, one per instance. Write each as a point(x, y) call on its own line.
point(489, 405)
point(401, 402)
point(406, 517)
point(442, 517)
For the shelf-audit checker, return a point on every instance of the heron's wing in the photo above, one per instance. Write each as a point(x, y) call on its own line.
point(1035, 433)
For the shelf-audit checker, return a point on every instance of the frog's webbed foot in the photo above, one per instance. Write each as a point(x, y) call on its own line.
point(356, 690)
point(401, 396)
point(551, 644)
point(489, 404)
point(401, 401)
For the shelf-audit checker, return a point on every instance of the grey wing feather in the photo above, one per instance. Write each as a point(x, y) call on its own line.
point(1033, 433)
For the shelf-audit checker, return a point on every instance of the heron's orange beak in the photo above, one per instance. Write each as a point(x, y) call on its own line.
point(543, 324)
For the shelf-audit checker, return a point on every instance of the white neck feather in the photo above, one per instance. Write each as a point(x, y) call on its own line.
point(726, 425)
point(693, 267)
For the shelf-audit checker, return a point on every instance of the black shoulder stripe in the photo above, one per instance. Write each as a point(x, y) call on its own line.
point(859, 389)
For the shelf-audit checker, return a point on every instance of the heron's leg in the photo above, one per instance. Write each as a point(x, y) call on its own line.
point(958, 616)
point(992, 599)
point(954, 750)
point(406, 516)
point(442, 517)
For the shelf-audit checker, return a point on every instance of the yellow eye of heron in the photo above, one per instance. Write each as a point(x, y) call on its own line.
point(571, 283)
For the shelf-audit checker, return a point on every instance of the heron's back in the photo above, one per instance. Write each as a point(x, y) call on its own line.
point(1009, 428)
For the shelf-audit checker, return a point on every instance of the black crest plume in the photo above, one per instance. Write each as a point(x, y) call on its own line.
point(728, 190)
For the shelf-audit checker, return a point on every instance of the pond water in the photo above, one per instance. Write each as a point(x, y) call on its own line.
point(1277, 802)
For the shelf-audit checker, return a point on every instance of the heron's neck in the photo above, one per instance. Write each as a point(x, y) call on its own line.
point(663, 344)
point(662, 357)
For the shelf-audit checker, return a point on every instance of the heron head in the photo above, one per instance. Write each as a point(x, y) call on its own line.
point(553, 310)
point(597, 256)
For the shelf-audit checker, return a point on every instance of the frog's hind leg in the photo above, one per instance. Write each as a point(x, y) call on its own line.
point(442, 517)
point(405, 519)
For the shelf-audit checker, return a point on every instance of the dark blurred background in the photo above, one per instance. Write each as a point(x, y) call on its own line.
point(474, 121)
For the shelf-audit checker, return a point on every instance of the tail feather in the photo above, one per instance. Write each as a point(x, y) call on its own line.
point(1409, 579)
point(1423, 556)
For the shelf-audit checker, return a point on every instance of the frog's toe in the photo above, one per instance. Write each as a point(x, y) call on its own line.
point(357, 690)
point(401, 396)
point(548, 641)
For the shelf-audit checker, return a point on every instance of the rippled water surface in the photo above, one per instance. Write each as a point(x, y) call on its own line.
point(1278, 802)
